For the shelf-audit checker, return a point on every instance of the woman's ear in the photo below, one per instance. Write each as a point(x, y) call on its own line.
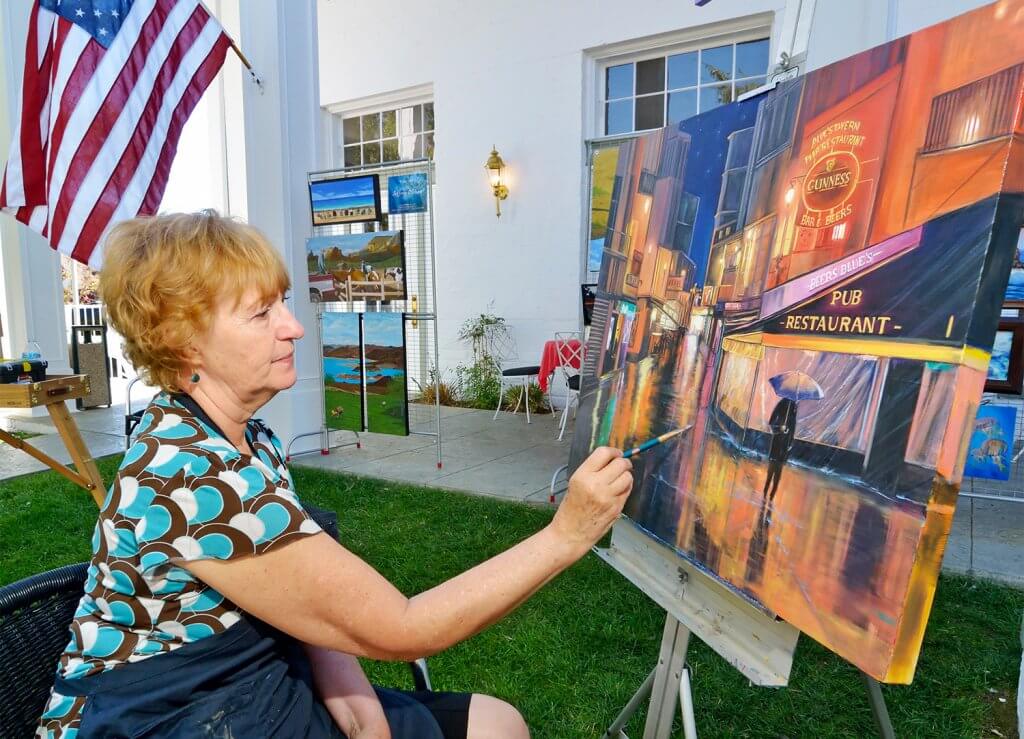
point(192, 358)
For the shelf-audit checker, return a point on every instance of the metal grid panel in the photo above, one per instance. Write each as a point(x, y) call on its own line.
point(1012, 489)
point(421, 287)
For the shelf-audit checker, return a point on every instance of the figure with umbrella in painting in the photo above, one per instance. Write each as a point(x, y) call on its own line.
point(791, 387)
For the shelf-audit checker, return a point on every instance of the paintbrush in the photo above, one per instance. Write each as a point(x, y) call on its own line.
point(653, 443)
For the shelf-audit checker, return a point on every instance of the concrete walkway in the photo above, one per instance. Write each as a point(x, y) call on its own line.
point(513, 460)
point(506, 458)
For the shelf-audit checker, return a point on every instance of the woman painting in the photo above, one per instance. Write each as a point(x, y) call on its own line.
point(214, 604)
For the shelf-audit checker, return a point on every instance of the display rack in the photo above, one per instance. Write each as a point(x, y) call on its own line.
point(419, 307)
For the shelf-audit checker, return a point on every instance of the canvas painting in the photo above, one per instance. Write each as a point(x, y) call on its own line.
point(348, 267)
point(407, 193)
point(805, 287)
point(343, 371)
point(387, 408)
point(1006, 366)
point(999, 365)
point(1015, 287)
point(345, 200)
point(991, 450)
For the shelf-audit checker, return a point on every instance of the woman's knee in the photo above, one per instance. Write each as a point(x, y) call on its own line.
point(493, 718)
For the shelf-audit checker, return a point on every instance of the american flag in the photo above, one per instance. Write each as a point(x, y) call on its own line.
point(108, 85)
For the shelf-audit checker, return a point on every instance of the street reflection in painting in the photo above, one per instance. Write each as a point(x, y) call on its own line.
point(806, 286)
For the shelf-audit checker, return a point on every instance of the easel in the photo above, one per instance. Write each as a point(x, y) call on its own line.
point(52, 393)
point(753, 641)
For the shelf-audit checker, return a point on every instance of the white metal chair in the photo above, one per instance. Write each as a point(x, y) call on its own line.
point(570, 364)
point(517, 376)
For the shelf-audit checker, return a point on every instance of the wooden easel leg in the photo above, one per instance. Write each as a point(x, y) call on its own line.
point(615, 730)
point(878, 708)
point(77, 449)
point(675, 642)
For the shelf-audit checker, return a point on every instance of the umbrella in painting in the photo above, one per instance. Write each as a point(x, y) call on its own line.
point(797, 385)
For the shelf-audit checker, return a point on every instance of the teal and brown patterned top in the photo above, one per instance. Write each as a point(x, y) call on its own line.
point(182, 493)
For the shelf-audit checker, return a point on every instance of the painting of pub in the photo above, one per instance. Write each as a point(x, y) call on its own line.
point(807, 284)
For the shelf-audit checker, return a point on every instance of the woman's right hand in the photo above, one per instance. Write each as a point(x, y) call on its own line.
point(597, 492)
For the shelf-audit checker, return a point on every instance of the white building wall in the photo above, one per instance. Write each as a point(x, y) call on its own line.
point(510, 76)
point(519, 76)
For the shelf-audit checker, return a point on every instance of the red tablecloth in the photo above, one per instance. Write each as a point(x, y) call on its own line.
point(549, 360)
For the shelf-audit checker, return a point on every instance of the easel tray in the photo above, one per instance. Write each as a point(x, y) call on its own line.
point(32, 394)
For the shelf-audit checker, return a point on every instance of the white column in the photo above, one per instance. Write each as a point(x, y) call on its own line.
point(282, 144)
point(31, 294)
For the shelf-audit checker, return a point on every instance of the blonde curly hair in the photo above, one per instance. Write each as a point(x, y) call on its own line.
point(163, 277)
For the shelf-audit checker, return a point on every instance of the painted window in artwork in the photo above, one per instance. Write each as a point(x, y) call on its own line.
point(656, 91)
point(975, 112)
point(934, 402)
point(386, 136)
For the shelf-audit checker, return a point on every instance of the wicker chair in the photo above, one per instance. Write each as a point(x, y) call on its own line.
point(35, 614)
point(34, 617)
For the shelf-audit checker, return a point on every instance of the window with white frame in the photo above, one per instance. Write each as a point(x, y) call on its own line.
point(392, 135)
point(658, 89)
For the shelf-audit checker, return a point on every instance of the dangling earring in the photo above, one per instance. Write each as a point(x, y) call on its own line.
point(194, 378)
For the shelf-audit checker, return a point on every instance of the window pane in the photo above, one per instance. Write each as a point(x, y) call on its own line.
point(371, 127)
point(428, 145)
point(712, 97)
point(417, 152)
point(390, 150)
point(388, 124)
point(752, 58)
point(618, 82)
point(716, 64)
point(682, 70)
point(351, 128)
point(352, 157)
point(681, 105)
point(428, 117)
point(371, 153)
point(618, 117)
point(650, 76)
point(417, 118)
point(748, 85)
point(650, 112)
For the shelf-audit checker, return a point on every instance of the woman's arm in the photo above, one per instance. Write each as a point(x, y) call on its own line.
point(317, 591)
point(347, 694)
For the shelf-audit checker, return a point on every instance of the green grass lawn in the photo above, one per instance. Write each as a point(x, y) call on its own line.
point(573, 655)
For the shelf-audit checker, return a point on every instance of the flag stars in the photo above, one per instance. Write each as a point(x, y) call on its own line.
point(80, 12)
point(98, 13)
point(103, 32)
point(115, 14)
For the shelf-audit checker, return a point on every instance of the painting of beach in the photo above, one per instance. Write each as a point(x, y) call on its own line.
point(343, 373)
point(345, 200)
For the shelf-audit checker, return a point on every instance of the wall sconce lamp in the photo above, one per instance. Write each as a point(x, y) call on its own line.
point(495, 171)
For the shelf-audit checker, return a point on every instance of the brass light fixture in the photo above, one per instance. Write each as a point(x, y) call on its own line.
point(495, 171)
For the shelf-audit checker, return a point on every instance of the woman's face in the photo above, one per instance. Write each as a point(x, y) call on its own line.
point(249, 349)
